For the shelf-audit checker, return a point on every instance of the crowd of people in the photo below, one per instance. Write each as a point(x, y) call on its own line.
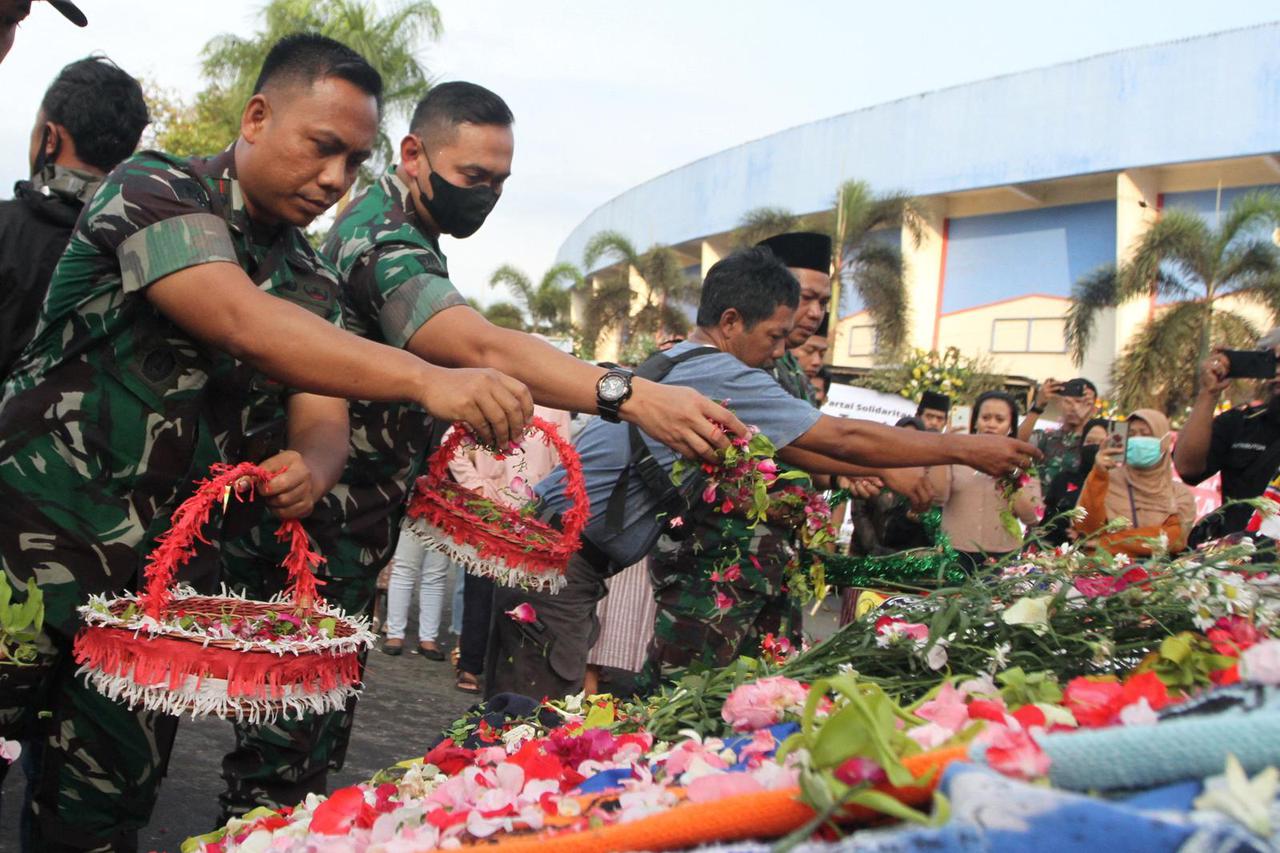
point(162, 314)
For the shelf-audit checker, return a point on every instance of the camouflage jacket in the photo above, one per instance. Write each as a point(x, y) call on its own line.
point(394, 279)
point(112, 409)
point(793, 379)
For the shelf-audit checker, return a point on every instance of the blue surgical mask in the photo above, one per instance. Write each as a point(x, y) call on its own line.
point(1142, 451)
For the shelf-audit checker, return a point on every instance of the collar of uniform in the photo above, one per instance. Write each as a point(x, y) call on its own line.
point(222, 169)
point(75, 185)
point(398, 191)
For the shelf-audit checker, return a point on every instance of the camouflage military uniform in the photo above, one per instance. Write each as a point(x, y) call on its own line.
point(109, 412)
point(394, 279)
point(793, 378)
point(691, 626)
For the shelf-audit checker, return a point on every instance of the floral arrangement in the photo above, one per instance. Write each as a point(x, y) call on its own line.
point(490, 539)
point(950, 373)
point(172, 650)
point(749, 483)
point(1009, 486)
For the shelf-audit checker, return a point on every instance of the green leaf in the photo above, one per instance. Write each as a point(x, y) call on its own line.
point(887, 804)
point(1175, 649)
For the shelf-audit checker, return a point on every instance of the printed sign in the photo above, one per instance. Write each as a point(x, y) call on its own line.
point(849, 401)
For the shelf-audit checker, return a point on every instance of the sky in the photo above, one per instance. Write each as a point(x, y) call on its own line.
point(608, 94)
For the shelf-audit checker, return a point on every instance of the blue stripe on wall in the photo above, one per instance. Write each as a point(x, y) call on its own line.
point(1006, 255)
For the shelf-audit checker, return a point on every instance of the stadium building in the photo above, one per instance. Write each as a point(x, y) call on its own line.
point(1033, 179)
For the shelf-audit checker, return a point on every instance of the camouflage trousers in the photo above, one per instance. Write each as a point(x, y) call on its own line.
point(100, 763)
point(278, 764)
point(689, 629)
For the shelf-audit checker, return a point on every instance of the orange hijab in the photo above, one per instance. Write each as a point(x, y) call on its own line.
point(1150, 494)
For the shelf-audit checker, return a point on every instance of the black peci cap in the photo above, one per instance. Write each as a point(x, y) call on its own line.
point(934, 400)
point(804, 250)
point(70, 11)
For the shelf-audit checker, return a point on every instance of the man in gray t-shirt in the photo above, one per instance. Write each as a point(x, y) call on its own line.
point(746, 311)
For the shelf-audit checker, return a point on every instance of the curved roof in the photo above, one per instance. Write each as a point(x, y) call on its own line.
point(1209, 97)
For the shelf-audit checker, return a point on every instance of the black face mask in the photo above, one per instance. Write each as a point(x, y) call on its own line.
point(458, 211)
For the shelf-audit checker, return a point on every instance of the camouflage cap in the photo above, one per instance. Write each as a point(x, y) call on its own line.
point(70, 11)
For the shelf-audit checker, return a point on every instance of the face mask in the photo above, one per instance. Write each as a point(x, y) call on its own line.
point(1142, 451)
point(459, 211)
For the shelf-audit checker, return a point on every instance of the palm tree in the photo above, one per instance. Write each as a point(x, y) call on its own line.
point(761, 223)
point(669, 289)
point(1183, 260)
point(390, 42)
point(547, 305)
point(505, 314)
point(875, 269)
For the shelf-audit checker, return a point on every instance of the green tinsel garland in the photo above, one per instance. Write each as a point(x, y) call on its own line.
point(922, 566)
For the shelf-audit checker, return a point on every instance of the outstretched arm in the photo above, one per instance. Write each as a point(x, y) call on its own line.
point(218, 304)
point(679, 417)
point(867, 443)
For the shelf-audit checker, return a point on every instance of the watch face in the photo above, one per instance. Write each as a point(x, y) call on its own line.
point(612, 388)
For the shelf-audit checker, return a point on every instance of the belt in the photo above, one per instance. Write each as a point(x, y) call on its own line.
point(589, 551)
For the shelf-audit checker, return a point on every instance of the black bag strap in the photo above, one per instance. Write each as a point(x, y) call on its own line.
point(641, 462)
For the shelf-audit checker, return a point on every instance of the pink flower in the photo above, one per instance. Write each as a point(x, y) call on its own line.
point(733, 573)
point(10, 750)
point(709, 493)
point(1261, 663)
point(857, 770)
point(523, 613)
point(768, 468)
point(947, 709)
point(763, 703)
point(1013, 752)
point(676, 521)
point(723, 602)
point(705, 789)
point(930, 735)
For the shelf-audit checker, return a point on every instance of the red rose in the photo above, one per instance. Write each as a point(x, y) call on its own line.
point(449, 757)
point(1093, 702)
point(336, 815)
point(1030, 715)
point(985, 709)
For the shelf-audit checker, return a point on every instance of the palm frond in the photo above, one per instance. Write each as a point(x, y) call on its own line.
point(1255, 209)
point(1092, 294)
point(761, 223)
point(609, 244)
point(877, 272)
point(516, 282)
point(1176, 248)
point(1246, 261)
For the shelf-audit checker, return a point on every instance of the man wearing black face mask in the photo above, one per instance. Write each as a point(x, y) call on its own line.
point(396, 290)
point(90, 119)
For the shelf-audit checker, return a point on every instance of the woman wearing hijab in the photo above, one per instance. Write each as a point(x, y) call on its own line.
point(972, 502)
point(1135, 482)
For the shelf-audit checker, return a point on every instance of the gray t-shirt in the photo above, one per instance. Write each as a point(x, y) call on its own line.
point(753, 395)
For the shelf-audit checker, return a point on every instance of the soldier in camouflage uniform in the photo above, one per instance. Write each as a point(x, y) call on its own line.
point(689, 625)
point(396, 290)
point(129, 388)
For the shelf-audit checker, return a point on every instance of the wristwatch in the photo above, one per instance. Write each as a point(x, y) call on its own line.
point(612, 390)
point(1039, 410)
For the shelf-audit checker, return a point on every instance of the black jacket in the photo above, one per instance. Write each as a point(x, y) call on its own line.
point(34, 229)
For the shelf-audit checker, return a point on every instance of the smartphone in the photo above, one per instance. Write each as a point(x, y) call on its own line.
point(1250, 364)
point(1118, 434)
point(263, 440)
point(1072, 388)
point(960, 418)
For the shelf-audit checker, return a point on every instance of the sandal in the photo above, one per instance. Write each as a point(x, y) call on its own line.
point(431, 652)
point(397, 649)
point(467, 682)
point(454, 656)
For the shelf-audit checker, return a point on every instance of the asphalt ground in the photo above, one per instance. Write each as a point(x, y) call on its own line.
point(408, 701)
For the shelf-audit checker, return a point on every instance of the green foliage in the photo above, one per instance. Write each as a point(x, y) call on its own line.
point(505, 314)
point(761, 223)
point(230, 65)
point(1183, 260)
point(20, 623)
point(548, 304)
point(959, 377)
point(614, 304)
point(875, 269)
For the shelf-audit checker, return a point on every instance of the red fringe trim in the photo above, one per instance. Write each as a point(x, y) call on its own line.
point(249, 674)
point(436, 499)
point(175, 546)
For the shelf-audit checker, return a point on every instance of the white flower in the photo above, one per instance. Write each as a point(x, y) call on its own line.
point(983, 685)
point(1000, 657)
point(1241, 798)
point(1139, 713)
point(1032, 611)
point(10, 750)
point(517, 735)
point(936, 657)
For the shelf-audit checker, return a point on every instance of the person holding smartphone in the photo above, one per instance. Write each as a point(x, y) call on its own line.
point(1077, 401)
point(1242, 444)
point(1133, 479)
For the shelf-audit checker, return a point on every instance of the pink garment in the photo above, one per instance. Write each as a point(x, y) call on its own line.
point(510, 480)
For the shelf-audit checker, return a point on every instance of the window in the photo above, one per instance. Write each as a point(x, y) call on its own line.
point(862, 341)
point(1029, 335)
